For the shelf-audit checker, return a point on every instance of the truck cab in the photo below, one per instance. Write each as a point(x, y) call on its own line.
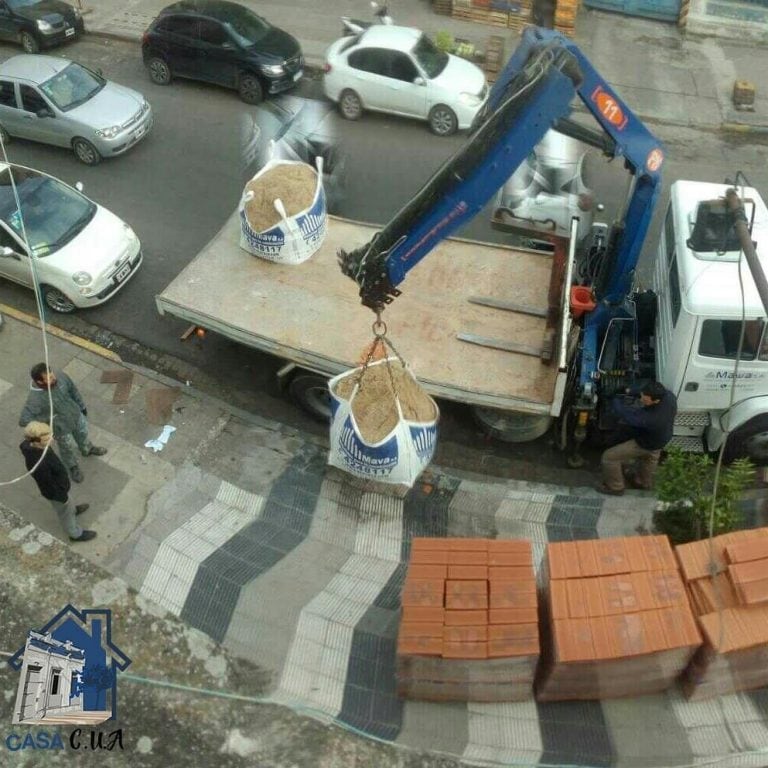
point(703, 293)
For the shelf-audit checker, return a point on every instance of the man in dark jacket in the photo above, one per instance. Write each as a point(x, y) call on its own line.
point(651, 428)
point(52, 479)
point(70, 427)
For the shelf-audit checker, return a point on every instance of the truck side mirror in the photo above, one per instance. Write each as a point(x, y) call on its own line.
point(9, 253)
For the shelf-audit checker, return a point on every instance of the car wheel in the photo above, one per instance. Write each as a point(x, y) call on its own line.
point(249, 88)
point(350, 105)
point(85, 152)
point(57, 301)
point(442, 120)
point(159, 71)
point(29, 43)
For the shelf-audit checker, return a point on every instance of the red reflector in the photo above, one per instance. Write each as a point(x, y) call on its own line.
point(326, 67)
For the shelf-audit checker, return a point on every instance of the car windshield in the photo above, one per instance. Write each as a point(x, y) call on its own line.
point(73, 86)
point(16, 4)
point(432, 60)
point(246, 27)
point(53, 212)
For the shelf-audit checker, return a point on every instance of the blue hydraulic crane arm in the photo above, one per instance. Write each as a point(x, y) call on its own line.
point(528, 101)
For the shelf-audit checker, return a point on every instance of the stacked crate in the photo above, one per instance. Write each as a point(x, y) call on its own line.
point(619, 619)
point(565, 16)
point(442, 7)
point(494, 58)
point(513, 14)
point(469, 624)
point(727, 579)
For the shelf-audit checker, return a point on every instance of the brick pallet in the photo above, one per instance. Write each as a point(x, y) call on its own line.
point(728, 585)
point(468, 629)
point(516, 19)
point(494, 58)
point(619, 619)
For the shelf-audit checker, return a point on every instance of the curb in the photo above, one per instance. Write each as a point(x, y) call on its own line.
point(743, 128)
point(78, 341)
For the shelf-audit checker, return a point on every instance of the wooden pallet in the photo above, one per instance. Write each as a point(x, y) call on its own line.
point(514, 21)
point(442, 7)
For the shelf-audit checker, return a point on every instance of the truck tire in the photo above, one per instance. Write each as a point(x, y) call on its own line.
point(749, 441)
point(511, 427)
point(310, 391)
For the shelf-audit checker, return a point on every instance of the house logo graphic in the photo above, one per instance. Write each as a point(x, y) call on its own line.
point(68, 671)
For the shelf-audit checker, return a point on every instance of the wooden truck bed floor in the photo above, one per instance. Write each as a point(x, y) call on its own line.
point(311, 313)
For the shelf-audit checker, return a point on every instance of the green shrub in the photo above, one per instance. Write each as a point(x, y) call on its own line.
point(444, 41)
point(684, 490)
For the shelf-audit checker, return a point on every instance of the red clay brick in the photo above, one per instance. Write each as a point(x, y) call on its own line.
point(419, 543)
point(466, 595)
point(666, 588)
point(574, 640)
point(426, 571)
point(603, 649)
point(577, 605)
point(422, 613)
point(611, 556)
point(419, 646)
point(430, 556)
point(510, 573)
point(420, 629)
point(636, 554)
point(746, 551)
point(513, 616)
point(465, 650)
point(654, 631)
point(643, 591)
point(563, 560)
point(753, 592)
point(423, 593)
point(513, 640)
point(510, 552)
point(477, 634)
point(467, 557)
point(593, 598)
point(467, 544)
point(626, 634)
point(588, 565)
point(513, 594)
point(673, 625)
point(468, 572)
point(558, 599)
point(615, 591)
point(658, 553)
point(465, 618)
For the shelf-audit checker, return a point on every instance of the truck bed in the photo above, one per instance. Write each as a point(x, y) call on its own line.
point(311, 314)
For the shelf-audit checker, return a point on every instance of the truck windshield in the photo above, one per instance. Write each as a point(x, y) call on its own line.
point(53, 213)
point(720, 338)
point(431, 59)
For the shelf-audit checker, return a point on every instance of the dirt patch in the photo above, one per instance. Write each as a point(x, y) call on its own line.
point(374, 406)
point(293, 184)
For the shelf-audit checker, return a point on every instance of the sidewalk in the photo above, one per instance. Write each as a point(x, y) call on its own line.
point(662, 74)
point(238, 532)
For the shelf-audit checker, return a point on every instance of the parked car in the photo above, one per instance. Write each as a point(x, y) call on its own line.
point(222, 43)
point(39, 24)
point(60, 102)
point(81, 253)
point(399, 70)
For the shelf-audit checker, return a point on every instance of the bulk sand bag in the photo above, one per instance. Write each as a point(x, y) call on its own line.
point(283, 215)
point(379, 432)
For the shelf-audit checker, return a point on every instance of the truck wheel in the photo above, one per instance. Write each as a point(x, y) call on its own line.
point(749, 441)
point(511, 427)
point(310, 391)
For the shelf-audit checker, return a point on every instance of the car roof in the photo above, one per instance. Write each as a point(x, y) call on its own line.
point(33, 67)
point(216, 9)
point(386, 36)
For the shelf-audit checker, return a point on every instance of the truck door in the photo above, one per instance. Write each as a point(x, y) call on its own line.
point(709, 374)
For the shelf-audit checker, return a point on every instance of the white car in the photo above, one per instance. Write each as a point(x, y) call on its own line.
point(82, 253)
point(400, 71)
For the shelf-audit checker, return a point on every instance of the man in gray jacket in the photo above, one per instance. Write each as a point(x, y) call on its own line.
point(70, 427)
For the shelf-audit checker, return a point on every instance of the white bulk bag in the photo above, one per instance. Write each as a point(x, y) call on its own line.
point(398, 458)
point(295, 238)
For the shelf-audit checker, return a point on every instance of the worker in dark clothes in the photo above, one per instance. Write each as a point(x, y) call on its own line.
point(52, 479)
point(651, 428)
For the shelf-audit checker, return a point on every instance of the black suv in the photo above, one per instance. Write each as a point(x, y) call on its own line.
point(223, 43)
point(39, 24)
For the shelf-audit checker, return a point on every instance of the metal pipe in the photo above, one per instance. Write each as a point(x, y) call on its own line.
point(564, 324)
point(736, 206)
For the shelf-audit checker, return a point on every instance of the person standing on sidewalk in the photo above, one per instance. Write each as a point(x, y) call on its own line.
point(52, 479)
point(70, 426)
point(651, 428)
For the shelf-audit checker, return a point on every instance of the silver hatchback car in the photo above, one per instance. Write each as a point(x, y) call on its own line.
point(57, 101)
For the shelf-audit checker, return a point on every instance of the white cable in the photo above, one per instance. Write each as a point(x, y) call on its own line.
point(40, 312)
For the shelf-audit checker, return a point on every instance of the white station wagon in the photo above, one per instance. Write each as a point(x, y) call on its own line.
point(400, 71)
point(82, 254)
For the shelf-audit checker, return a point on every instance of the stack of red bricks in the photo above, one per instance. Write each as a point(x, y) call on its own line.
point(469, 627)
point(619, 619)
point(727, 579)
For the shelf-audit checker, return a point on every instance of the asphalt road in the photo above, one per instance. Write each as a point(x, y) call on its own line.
point(178, 186)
